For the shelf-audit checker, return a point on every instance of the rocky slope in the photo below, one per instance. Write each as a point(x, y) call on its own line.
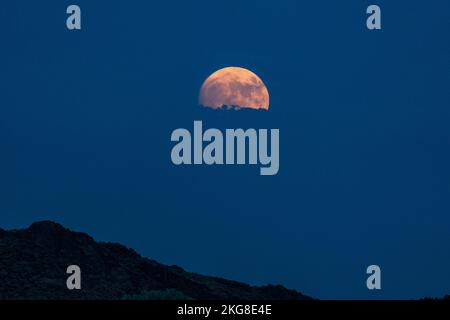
point(33, 265)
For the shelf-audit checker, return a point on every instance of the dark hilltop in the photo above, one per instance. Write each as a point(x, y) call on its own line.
point(33, 265)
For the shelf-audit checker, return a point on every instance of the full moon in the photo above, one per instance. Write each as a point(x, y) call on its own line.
point(234, 87)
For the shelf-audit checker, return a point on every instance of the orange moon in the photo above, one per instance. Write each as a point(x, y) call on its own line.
point(234, 87)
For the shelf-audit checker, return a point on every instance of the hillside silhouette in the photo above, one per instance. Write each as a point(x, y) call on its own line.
point(33, 265)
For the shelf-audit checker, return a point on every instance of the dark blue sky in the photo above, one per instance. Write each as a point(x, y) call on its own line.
point(364, 119)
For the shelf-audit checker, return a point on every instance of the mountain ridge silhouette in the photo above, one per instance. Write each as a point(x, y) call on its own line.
point(33, 264)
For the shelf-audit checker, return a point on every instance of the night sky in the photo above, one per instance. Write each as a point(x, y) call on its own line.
point(364, 118)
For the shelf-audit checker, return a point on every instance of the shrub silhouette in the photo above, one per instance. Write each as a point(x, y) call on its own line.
point(167, 294)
